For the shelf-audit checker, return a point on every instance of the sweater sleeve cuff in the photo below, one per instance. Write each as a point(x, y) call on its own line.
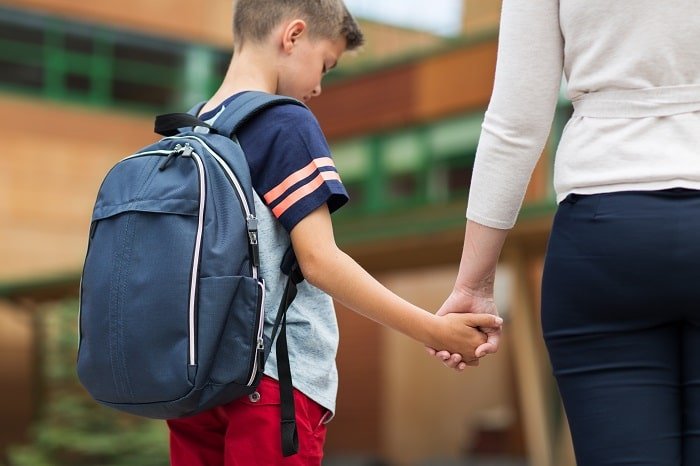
point(490, 222)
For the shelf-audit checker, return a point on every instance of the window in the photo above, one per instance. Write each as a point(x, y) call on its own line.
point(97, 65)
point(402, 186)
point(450, 179)
point(403, 158)
point(22, 75)
point(21, 58)
point(18, 32)
point(78, 43)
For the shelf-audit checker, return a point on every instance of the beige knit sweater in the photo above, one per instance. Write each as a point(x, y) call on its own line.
point(632, 69)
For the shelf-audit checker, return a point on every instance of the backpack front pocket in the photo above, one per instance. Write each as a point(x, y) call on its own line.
point(230, 314)
point(137, 301)
point(142, 326)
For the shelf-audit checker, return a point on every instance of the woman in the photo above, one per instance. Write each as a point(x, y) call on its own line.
point(621, 285)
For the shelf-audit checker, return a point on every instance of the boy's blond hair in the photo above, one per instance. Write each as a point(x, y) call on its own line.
point(253, 20)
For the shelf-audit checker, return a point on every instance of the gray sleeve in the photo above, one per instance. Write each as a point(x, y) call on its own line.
point(520, 113)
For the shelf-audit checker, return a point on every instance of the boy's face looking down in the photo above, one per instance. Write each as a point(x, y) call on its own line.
point(304, 59)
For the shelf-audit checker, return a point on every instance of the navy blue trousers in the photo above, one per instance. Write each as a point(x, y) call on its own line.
point(621, 320)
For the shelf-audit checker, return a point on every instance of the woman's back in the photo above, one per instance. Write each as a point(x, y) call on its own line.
point(633, 73)
point(630, 44)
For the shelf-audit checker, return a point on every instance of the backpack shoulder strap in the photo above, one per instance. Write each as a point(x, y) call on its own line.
point(245, 107)
point(170, 124)
point(290, 438)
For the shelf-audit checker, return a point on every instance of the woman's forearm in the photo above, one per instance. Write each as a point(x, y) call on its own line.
point(477, 268)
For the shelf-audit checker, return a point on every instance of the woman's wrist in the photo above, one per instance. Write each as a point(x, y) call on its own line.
point(482, 287)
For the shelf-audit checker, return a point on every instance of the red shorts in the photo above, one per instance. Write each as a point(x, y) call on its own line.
point(246, 432)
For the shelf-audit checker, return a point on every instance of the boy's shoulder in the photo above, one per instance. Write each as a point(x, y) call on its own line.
point(284, 124)
point(290, 116)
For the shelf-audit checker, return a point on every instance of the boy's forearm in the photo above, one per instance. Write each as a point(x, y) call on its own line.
point(347, 282)
point(327, 267)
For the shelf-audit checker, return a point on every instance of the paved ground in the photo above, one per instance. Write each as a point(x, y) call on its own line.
point(482, 461)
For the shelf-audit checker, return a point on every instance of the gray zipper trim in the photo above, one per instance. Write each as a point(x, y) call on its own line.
point(260, 341)
point(234, 181)
point(248, 212)
point(197, 252)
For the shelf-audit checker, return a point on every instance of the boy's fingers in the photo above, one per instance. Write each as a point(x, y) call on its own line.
point(453, 361)
point(444, 355)
point(430, 351)
point(484, 349)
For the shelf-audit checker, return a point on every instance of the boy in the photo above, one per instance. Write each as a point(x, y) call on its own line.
point(285, 47)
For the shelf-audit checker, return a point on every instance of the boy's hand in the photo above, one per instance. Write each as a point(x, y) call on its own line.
point(457, 333)
point(464, 301)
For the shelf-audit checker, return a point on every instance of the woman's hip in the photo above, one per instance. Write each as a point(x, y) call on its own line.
point(626, 258)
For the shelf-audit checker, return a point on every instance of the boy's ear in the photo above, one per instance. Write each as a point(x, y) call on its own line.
point(292, 33)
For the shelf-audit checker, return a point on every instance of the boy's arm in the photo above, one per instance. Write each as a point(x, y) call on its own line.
point(325, 266)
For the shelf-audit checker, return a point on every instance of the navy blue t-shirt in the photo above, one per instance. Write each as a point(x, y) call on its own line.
point(289, 159)
point(293, 174)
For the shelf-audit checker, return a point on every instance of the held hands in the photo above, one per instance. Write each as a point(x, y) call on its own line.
point(462, 333)
point(468, 303)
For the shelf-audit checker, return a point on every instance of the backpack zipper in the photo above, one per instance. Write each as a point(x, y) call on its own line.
point(186, 151)
point(197, 252)
point(251, 221)
point(250, 218)
point(260, 348)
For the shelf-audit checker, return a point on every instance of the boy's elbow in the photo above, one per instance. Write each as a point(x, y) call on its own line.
point(316, 266)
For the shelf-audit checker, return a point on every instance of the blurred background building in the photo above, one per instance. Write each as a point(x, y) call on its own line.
point(80, 83)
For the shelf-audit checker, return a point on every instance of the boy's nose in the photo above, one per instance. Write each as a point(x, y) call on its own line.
point(317, 91)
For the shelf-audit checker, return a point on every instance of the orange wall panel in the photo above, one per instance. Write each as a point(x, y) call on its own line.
point(208, 21)
point(367, 104)
point(53, 161)
point(456, 81)
point(16, 377)
point(357, 424)
point(480, 15)
point(452, 82)
point(538, 188)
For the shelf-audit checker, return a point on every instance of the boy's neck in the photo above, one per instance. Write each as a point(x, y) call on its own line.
point(251, 69)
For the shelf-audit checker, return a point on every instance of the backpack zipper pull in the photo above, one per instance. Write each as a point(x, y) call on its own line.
point(174, 153)
point(261, 354)
point(253, 240)
point(187, 150)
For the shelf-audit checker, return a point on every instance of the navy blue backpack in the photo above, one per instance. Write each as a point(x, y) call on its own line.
point(171, 304)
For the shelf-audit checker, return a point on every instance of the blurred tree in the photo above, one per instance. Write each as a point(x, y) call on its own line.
point(72, 429)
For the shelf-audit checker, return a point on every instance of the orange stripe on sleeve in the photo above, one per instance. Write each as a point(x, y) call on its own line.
point(304, 191)
point(272, 195)
point(330, 176)
point(324, 162)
